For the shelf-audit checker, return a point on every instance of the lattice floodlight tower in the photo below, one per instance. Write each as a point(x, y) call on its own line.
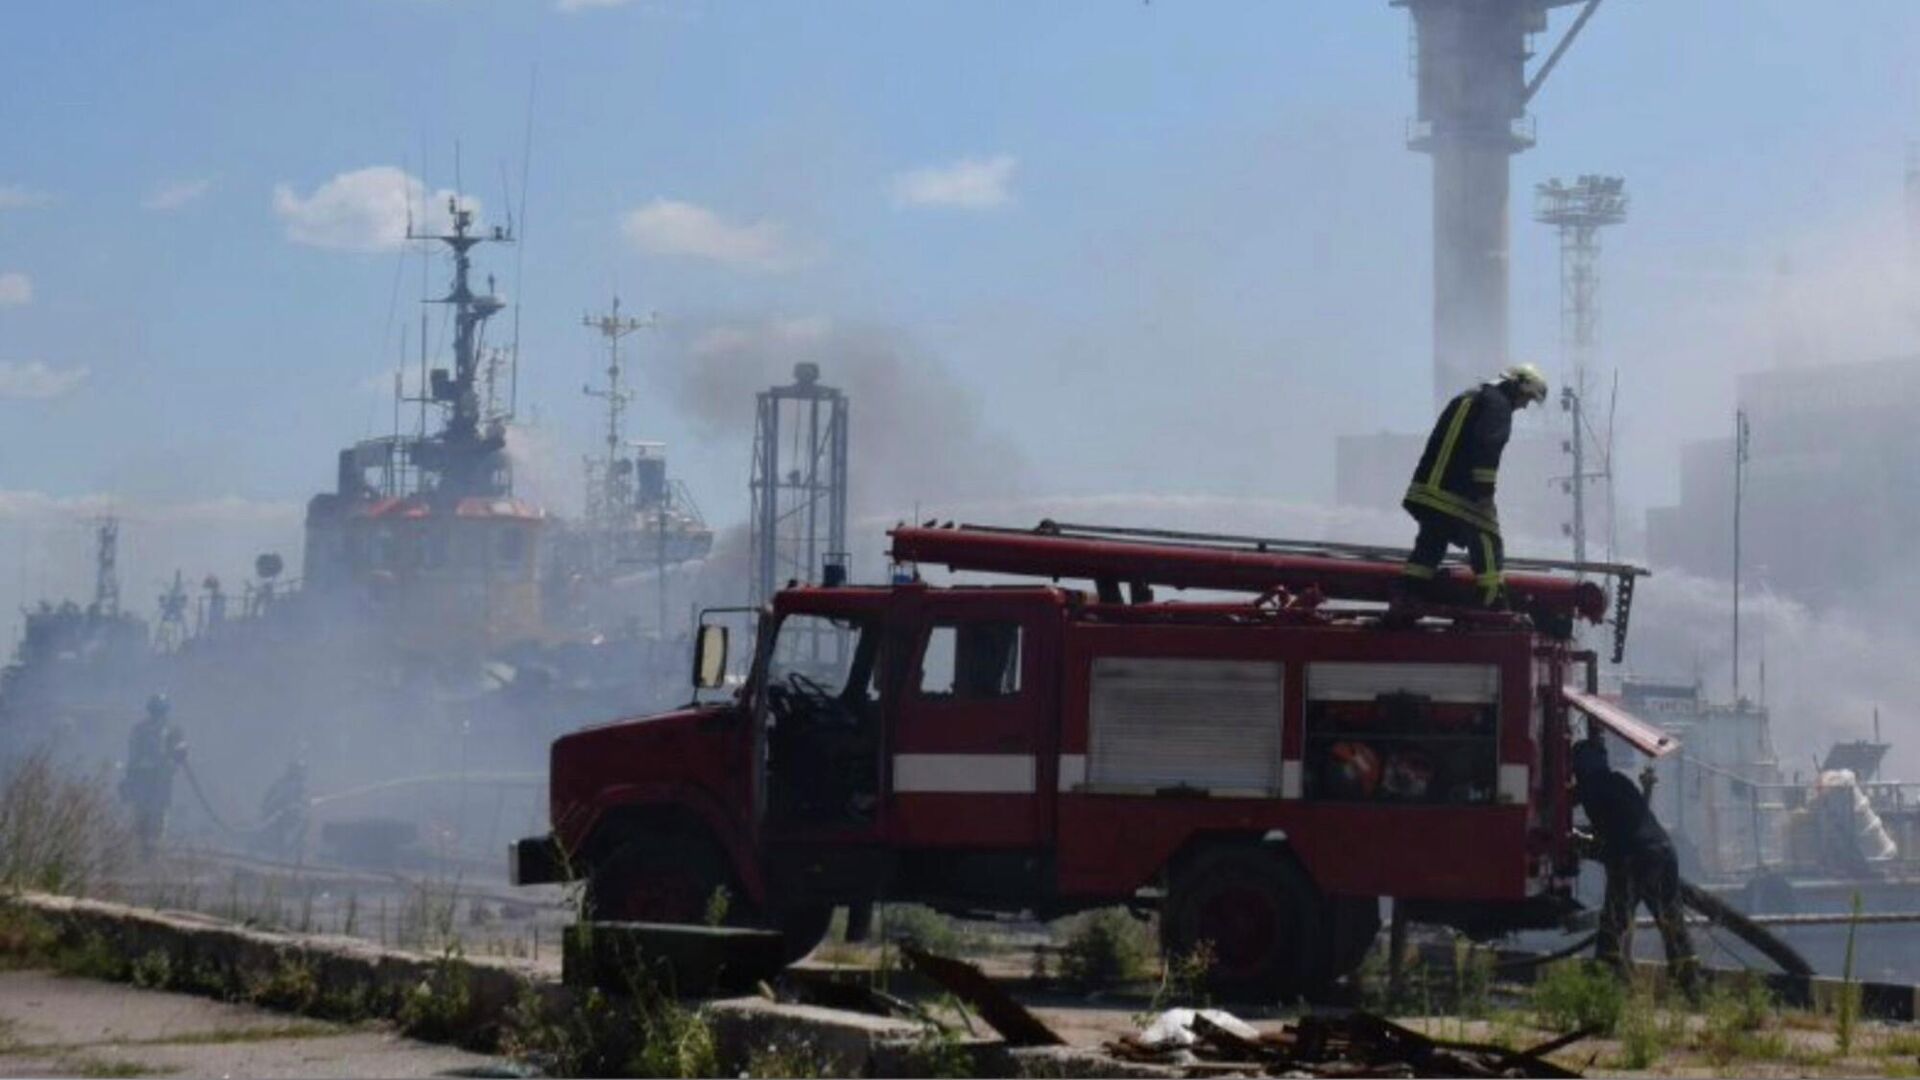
point(799, 484)
point(1579, 211)
point(1470, 59)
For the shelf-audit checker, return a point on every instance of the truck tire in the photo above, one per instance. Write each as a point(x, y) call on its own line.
point(671, 878)
point(803, 929)
point(1262, 916)
point(667, 878)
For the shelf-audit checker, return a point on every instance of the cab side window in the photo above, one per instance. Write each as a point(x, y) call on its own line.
point(969, 661)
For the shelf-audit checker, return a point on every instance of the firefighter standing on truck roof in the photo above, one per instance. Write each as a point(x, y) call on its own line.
point(1640, 864)
point(1451, 495)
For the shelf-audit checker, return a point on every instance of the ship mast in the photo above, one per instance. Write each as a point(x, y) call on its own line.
point(610, 480)
point(464, 453)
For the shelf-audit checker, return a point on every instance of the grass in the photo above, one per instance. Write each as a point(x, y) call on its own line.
point(1575, 994)
point(922, 927)
point(1104, 949)
point(59, 833)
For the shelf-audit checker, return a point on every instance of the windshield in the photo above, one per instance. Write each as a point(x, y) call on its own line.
point(817, 648)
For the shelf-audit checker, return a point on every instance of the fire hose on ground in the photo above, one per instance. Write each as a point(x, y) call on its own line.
point(1717, 912)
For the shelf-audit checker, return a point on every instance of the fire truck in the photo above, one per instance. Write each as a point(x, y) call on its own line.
point(1260, 761)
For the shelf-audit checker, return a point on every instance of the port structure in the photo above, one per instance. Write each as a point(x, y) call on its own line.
point(1578, 211)
point(1470, 62)
point(799, 487)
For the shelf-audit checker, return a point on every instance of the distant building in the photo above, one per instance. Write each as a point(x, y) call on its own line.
point(1832, 496)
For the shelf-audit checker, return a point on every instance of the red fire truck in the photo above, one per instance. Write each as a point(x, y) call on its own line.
point(1260, 763)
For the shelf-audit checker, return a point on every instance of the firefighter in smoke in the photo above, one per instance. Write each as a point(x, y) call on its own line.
point(1640, 863)
point(1451, 495)
point(155, 750)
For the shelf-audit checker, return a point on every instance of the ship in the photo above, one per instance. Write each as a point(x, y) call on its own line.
point(441, 626)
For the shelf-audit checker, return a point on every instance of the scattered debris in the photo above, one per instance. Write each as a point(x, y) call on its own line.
point(968, 983)
point(1211, 1043)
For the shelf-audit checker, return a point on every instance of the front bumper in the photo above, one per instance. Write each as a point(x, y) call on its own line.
point(535, 860)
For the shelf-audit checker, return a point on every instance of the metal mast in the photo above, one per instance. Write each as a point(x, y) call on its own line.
point(799, 483)
point(1470, 62)
point(465, 452)
point(1741, 435)
point(609, 487)
point(106, 568)
point(1579, 211)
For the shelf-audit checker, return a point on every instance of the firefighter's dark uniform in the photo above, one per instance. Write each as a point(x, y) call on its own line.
point(155, 748)
point(1451, 495)
point(1641, 869)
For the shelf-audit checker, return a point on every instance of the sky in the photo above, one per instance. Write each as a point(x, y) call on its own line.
point(1150, 249)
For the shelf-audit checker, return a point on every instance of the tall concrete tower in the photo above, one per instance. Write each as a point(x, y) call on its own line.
point(1471, 64)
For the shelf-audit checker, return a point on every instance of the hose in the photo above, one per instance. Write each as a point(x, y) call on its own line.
point(1722, 914)
point(193, 782)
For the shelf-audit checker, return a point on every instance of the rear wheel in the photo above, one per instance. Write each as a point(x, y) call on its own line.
point(1260, 916)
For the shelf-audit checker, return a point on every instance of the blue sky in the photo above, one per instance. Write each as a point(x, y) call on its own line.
point(1152, 248)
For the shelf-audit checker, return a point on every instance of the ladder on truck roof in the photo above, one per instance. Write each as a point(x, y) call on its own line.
point(1555, 591)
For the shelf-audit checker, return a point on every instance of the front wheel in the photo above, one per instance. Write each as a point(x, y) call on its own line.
point(684, 879)
point(669, 878)
point(1259, 916)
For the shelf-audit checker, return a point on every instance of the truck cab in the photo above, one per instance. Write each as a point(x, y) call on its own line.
point(1260, 772)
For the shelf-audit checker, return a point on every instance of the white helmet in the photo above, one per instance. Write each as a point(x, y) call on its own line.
point(1532, 384)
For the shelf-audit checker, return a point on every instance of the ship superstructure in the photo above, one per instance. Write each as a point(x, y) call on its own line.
point(423, 530)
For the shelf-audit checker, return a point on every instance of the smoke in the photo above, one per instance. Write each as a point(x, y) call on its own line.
point(1821, 672)
point(916, 433)
point(545, 470)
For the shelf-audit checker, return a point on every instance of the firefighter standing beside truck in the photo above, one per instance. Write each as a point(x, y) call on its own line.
point(1451, 495)
point(1640, 864)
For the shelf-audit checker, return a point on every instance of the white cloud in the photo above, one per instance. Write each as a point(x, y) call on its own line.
point(16, 289)
point(16, 197)
point(176, 195)
point(363, 210)
point(36, 381)
point(671, 227)
point(970, 184)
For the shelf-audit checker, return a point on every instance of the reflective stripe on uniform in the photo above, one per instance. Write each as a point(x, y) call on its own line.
point(1491, 581)
point(1447, 444)
point(1451, 505)
point(1416, 570)
point(1486, 476)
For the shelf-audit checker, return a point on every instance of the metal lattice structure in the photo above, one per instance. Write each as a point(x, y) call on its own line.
point(799, 484)
point(1579, 211)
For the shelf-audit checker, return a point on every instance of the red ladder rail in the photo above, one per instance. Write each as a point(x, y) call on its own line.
point(1048, 554)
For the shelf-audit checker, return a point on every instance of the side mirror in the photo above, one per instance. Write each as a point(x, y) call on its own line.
point(710, 657)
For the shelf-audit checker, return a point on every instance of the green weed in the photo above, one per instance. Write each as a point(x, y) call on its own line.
point(939, 1052)
point(292, 985)
point(58, 833)
point(153, 970)
point(1104, 949)
point(1573, 994)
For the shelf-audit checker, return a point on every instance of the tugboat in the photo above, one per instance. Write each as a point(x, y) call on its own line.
point(434, 634)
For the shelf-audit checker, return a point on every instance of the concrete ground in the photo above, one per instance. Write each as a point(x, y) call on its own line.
point(55, 1025)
